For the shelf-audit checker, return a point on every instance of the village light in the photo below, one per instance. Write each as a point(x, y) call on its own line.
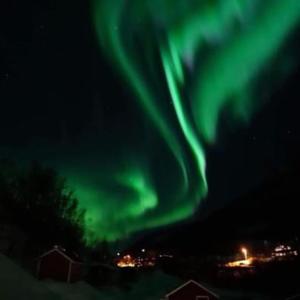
point(245, 252)
point(127, 261)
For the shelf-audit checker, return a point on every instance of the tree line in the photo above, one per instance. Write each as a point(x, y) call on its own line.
point(39, 201)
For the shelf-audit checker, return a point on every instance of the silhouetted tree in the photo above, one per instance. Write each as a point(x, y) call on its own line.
point(41, 204)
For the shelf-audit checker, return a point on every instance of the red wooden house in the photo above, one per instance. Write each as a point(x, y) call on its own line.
point(191, 290)
point(60, 265)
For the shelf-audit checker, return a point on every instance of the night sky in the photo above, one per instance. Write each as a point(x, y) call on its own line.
point(150, 109)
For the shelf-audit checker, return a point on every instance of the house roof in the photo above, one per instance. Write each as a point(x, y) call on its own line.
point(193, 282)
point(69, 255)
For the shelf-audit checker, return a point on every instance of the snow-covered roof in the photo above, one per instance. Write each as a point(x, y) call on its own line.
point(69, 255)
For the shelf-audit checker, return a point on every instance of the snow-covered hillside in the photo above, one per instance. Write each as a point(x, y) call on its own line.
point(16, 283)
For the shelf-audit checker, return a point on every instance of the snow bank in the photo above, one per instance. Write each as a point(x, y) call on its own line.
point(151, 286)
point(75, 291)
point(16, 283)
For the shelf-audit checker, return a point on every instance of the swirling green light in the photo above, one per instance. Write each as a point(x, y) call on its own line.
point(187, 61)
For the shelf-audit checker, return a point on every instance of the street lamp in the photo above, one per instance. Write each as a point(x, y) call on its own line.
point(245, 252)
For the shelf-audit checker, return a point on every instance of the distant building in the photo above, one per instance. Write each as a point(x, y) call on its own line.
point(191, 290)
point(142, 261)
point(284, 252)
point(60, 265)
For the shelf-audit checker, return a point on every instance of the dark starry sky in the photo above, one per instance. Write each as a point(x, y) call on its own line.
point(54, 86)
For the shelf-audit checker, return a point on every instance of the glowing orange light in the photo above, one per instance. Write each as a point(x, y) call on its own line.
point(246, 262)
point(240, 263)
point(126, 262)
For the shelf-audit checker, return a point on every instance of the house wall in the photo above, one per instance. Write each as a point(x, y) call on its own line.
point(76, 272)
point(54, 266)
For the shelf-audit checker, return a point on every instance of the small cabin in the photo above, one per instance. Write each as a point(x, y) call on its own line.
point(59, 265)
point(191, 290)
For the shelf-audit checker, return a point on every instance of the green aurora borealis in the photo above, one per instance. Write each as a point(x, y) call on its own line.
point(188, 62)
point(192, 71)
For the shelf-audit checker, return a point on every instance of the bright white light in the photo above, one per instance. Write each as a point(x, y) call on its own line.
point(245, 252)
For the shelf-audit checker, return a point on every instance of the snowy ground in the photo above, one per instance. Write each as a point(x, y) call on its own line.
point(16, 283)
